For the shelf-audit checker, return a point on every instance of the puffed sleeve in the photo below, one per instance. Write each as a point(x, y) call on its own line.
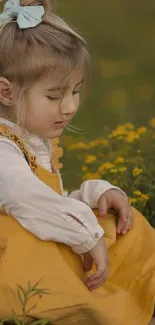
point(39, 209)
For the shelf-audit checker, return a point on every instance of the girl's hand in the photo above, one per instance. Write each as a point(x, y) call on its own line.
point(99, 256)
point(114, 199)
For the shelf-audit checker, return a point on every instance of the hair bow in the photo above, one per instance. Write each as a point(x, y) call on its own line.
point(27, 17)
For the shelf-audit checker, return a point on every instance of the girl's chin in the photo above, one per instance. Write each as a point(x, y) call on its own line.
point(50, 133)
point(54, 134)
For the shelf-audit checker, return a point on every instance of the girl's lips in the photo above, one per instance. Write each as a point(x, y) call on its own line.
point(61, 124)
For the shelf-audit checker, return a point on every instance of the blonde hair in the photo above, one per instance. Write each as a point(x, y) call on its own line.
point(50, 49)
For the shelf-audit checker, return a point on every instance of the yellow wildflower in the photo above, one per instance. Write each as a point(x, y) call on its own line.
point(98, 142)
point(137, 193)
point(132, 200)
point(119, 160)
point(84, 168)
point(93, 144)
point(122, 130)
point(122, 169)
point(139, 151)
point(113, 171)
point(119, 131)
point(79, 145)
point(90, 175)
point(132, 136)
point(106, 165)
point(144, 197)
point(129, 126)
point(137, 171)
point(152, 122)
point(90, 159)
point(104, 142)
point(141, 130)
point(141, 196)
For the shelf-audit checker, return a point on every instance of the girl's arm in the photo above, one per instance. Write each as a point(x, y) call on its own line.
point(91, 190)
point(40, 209)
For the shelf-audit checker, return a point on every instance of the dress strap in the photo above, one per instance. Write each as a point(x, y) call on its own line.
point(7, 132)
point(57, 152)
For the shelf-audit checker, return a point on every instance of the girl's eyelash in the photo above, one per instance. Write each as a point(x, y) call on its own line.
point(76, 92)
point(52, 98)
point(56, 98)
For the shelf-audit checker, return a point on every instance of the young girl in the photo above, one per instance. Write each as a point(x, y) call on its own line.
point(42, 233)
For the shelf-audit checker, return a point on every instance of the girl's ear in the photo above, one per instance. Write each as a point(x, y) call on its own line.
point(5, 92)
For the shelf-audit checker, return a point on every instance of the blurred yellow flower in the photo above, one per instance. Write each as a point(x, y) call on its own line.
point(98, 142)
point(144, 197)
point(132, 200)
point(121, 137)
point(152, 122)
point(104, 142)
point(141, 196)
point(139, 151)
point(93, 144)
point(132, 136)
point(141, 130)
point(90, 175)
point(122, 130)
point(113, 171)
point(137, 192)
point(119, 160)
point(122, 169)
point(129, 126)
point(84, 168)
point(79, 145)
point(136, 171)
point(90, 159)
point(119, 130)
point(105, 165)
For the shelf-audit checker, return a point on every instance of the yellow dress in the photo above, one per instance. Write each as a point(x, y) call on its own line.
point(127, 298)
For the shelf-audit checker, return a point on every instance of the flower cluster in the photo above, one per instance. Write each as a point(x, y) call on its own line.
point(125, 156)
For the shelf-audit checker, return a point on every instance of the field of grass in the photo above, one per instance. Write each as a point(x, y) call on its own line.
point(121, 35)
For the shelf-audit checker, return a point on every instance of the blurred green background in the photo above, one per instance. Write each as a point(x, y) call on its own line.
point(121, 35)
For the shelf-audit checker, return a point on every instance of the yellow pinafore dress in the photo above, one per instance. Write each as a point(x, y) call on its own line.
point(127, 298)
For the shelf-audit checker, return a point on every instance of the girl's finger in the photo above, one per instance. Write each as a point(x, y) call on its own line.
point(103, 206)
point(92, 285)
point(121, 225)
point(123, 211)
point(129, 223)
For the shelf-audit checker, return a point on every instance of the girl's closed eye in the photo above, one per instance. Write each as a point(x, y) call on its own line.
point(53, 98)
point(75, 92)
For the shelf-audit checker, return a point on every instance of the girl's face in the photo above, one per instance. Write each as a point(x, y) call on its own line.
point(48, 109)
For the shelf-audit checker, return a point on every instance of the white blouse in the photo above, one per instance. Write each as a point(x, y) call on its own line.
point(37, 207)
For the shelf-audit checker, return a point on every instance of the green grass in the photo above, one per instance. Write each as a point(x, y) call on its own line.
point(122, 41)
point(24, 296)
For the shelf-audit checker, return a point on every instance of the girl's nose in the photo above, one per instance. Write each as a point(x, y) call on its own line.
point(68, 106)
